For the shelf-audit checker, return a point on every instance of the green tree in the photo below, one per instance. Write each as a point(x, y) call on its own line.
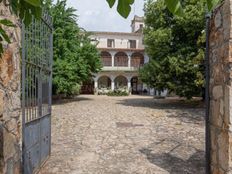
point(75, 58)
point(25, 9)
point(176, 48)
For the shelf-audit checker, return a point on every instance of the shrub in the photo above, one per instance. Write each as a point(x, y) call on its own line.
point(76, 89)
point(103, 91)
point(118, 92)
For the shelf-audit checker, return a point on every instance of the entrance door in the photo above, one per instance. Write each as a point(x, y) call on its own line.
point(134, 85)
point(36, 93)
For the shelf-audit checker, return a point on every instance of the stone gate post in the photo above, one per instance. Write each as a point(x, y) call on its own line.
point(220, 48)
point(10, 120)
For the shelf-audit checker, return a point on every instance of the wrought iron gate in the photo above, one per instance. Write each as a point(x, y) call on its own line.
point(36, 92)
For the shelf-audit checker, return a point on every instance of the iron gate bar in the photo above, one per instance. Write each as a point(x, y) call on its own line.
point(37, 57)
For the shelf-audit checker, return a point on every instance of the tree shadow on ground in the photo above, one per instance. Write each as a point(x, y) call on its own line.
point(168, 103)
point(188, 116)
point(174, 165)
point(186, 111)
point(69, 100)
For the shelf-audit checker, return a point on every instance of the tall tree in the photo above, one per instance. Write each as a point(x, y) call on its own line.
point(25, 9)
point(75, 58)
point(176, 48)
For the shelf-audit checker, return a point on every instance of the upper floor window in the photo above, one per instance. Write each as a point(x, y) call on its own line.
point(132, 43)
point(110, 43)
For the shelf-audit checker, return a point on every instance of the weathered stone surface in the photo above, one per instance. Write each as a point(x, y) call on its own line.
point(228, 105)
point(126, 135)
point(220, 89)
point(10, 121)
point(218, 19)
point(216, 119)
point(217, 92)
point(222, 107)
point(6, 67)
point(223, 150)
point(1, 103)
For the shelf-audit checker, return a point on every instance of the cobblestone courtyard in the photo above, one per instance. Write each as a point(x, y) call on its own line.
point(126, 135)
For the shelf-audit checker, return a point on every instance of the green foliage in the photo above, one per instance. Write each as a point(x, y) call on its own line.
point(118, 92)
point(176, 48)
point(75, 58)
point(26, 9)
point(3, 35)
point(123, 7)
point(211, 4)
point(174, 6)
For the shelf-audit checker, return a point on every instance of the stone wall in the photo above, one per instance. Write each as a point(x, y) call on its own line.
point(10, 121)
point(221, 89)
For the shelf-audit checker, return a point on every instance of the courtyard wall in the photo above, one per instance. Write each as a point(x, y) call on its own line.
point(221, 88)
point(10, 120)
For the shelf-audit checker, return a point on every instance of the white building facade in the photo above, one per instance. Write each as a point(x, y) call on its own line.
point(122, 55)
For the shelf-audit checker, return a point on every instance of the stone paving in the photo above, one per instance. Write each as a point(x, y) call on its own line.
point(126, 135)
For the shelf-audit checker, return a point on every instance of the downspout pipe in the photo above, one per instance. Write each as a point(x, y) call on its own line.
point(207, 100)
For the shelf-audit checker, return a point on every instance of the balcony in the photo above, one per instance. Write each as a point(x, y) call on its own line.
point(119, 68)
point(121, 61)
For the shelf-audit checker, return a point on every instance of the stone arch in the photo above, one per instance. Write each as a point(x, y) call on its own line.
point(120, 82)
point(121, 59)
point(104, 82)
point(106, 58)
point(137, 59)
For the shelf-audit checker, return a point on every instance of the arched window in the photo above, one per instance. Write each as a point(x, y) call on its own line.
point(121, 59)
point(104, 82)
point(120, 82)
point(106, 58)
point(137, 60)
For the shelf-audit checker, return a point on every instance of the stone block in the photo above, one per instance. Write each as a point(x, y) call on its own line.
point(217, 75)
point(216, 118)
point(213, 133)
point(222, 107)
point(223, 150)
point(214, 169)
point(6, 68)
point(217, 92)
point(228, 53)
point(1, 103)
point(226, 9)
point(218, 19)
point(9, 145)
point(230, 150)
point(228, 106)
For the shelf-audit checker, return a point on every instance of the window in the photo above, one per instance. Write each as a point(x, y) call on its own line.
point(132, 43)
point(110, 43)
point(141, 26)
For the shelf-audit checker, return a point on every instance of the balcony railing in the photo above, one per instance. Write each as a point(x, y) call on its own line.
point(119, 68)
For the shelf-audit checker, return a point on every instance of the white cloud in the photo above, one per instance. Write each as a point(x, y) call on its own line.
point(95, 15)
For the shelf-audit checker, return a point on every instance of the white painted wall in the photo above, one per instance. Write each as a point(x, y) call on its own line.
point(121, 40)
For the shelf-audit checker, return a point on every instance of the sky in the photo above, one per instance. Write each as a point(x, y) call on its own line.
point(95, 15)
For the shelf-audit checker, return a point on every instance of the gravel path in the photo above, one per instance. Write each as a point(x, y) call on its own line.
point(126, 135)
